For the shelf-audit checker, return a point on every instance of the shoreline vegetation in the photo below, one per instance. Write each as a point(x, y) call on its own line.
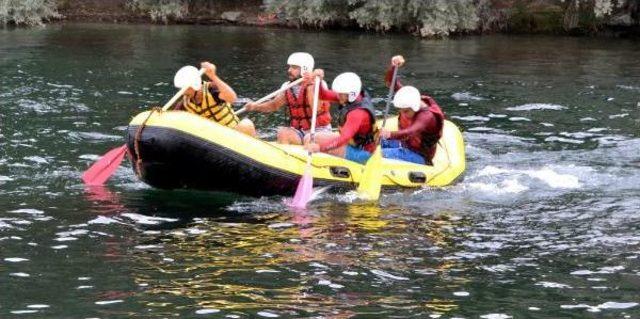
point(422, 18)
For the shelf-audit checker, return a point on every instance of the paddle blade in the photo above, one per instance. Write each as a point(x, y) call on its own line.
point(304, 191)
point(371, 179)
point(102, 169)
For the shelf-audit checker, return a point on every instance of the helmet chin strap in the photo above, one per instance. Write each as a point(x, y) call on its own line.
point(352, 97)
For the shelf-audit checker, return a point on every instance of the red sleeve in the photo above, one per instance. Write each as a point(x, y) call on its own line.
point(423, 121)
point(389, 76)
point(356, 121)
point(328, 95)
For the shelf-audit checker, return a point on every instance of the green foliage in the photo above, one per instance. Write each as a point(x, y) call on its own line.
point(425, 17)
point(161, 10)
point(318, 13)
point(27, 12)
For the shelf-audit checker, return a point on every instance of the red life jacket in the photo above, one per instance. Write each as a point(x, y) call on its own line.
point(300, 113)
point(424, 143)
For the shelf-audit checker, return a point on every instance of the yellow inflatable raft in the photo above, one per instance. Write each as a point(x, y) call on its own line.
point(176, 149)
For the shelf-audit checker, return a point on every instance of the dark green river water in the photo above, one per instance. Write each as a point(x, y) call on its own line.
point(545, 223)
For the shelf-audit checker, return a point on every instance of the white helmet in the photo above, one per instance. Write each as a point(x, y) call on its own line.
point(348, 83)
point(302, 59)
point(407, 97)
point(188, 76)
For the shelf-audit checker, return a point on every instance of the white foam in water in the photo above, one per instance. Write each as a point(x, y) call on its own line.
point(510, 186)
point(545, 174)
point(15, 259)
point(385, 274)
point(606, 305)
point(38, 306)
point(206, 311)
point(97, 136)
point(562, 140)
point(196, 231)
point(466, 96)
point(260, 271)
point(602, 270)
point(617, 116)
point(36, 159)
point(554, 179)
point(497, 116)
point(108, 302)
point(103, 221)
point(495, 316)
point(549, 284)
point(91, 157)
point(461, 294)
point(267, 314)
point(148, 220)
point(125, 92)
point(472, 118)
point(29, 211)
point(628, 87)
point(519, 119)
point(536, 106)
point(143, 247)
point(19, 274)
point(617, 305)
point(280, 225)
point(578, 135)
point(5, 179)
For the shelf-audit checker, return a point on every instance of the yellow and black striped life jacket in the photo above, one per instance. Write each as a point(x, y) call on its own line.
point(212, 107)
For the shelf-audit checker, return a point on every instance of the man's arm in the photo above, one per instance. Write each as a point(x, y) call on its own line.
point(226, 92)
point(422, 122)
point(268, 106)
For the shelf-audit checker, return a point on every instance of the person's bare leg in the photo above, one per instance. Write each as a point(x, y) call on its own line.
point(288, 135)
point(246, 126)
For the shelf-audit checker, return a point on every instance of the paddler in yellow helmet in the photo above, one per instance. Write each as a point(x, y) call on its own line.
point(210, 100)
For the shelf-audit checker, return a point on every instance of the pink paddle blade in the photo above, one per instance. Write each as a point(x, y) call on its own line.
point(102, 169)
point(304, 191)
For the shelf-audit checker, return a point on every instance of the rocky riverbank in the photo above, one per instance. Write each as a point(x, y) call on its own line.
point(439, 19)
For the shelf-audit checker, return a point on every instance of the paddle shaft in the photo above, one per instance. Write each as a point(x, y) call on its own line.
point(316, 97)
point(178, 95)
point(272, 94)
point(392, 88)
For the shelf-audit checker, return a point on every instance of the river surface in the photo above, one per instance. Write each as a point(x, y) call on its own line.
point(545, 223)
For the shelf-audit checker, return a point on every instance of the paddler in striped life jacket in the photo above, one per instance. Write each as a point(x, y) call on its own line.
point(299, 100)
point(357, 123)
point(419, 124)
point(211, 100)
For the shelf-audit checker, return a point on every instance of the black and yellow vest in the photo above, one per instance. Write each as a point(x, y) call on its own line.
point(212, 107)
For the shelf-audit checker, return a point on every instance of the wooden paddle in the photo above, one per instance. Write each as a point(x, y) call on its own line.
point(371, 179)
point(104, 167)
point(272, 94)
point(304, 191)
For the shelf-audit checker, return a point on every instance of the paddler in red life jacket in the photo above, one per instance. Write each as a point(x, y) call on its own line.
point(211, 100)
point(356, 141)
point(419, 124)
point(299, 100)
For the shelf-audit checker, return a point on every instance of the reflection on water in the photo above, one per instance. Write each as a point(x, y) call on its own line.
point(321, 262)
